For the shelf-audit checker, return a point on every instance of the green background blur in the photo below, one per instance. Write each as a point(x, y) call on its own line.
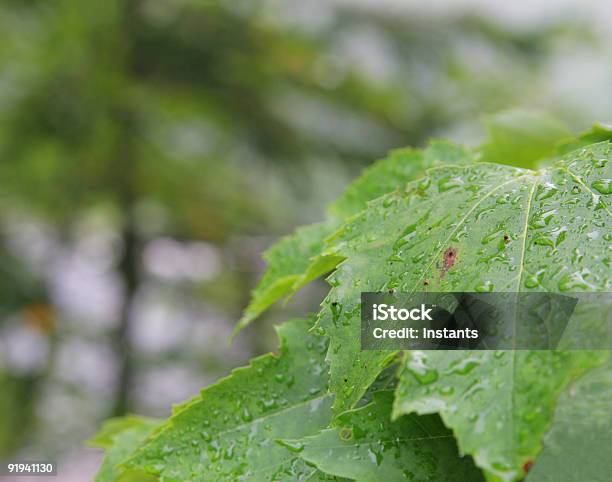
point(150, 150)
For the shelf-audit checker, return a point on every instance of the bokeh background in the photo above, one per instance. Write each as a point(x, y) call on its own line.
point(150, 150)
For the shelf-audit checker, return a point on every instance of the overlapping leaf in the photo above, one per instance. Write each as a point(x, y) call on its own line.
point(365, 445)
point(301, 257)
point(498, 403)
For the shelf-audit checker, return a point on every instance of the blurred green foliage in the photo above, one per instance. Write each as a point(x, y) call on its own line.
point(188, 103)
point(17, 398)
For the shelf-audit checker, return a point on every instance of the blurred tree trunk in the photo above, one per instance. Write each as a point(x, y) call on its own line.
point(124, 164)
point(128, 268)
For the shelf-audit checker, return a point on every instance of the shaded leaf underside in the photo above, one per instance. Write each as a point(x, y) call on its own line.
point(365, 445)
point(499, 403)
point(579, 444)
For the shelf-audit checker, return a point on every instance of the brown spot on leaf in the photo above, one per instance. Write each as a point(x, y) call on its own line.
point(448, 259)
point(506, 238)
point(426, 282)
point(527, 466)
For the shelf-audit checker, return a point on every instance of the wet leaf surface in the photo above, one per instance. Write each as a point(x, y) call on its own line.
point(365, 445)
point(463, 227)
point(498, 403)
point(474, 228)
point(229, 431)
point(507, 229)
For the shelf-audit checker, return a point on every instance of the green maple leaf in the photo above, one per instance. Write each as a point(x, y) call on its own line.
point(508, 229)
point(229, 431)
